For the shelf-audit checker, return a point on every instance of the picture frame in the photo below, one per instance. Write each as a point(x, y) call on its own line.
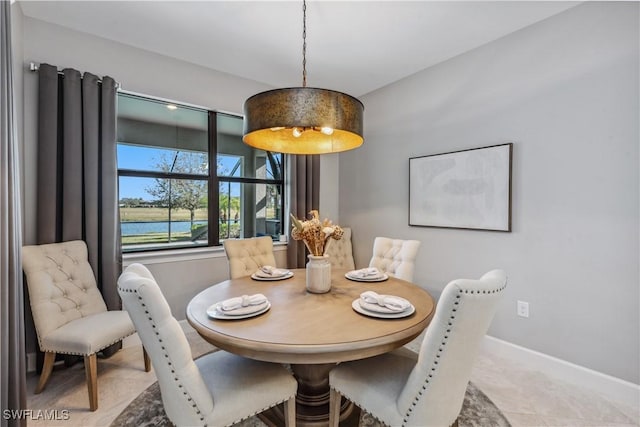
point(467, 189)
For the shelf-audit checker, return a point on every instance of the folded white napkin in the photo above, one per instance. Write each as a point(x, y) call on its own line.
point(269, 271)
point(242, 302)
point(366, 273)
point(383, 303)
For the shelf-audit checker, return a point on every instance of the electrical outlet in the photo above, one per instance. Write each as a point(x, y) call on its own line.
point(523, 309)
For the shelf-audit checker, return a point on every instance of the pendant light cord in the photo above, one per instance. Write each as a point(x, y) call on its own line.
point(304, 43)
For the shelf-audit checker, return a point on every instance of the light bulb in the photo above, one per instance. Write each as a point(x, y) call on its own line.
point(172, 107)
point(326, 130)
point(297, 132)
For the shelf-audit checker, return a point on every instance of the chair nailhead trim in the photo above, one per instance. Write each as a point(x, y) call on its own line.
point(72, 353)
point(153, 325)
point(407, 415)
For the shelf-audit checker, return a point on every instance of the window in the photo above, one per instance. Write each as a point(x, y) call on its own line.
point(170, 197)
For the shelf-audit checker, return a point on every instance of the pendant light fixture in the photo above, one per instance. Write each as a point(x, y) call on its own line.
point(303, 120)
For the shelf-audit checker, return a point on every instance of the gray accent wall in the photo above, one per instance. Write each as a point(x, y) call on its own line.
point(565, 92)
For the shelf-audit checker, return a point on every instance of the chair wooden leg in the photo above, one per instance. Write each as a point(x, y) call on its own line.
point(290, 412)
point(334, 407)
point(91, 370)
point(147, 361)
point(47, 367)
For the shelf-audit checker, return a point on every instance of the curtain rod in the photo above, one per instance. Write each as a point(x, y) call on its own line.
point(33, 67)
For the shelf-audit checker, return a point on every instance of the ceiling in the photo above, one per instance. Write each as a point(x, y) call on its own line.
point(352, 46)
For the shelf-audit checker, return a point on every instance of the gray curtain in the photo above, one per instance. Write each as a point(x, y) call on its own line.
point(304, 195)
point(77, 171)
point(13, 394)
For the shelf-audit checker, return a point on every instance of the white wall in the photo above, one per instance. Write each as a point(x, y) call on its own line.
point(565, 92)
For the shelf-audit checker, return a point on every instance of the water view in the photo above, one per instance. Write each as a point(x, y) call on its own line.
point(134, 228)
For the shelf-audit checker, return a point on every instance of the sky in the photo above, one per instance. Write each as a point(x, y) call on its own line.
point(144, 158)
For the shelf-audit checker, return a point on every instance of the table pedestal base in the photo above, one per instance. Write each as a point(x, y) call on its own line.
point(312, 400)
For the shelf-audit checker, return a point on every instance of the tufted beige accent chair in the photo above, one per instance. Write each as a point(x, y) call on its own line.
point(404, 389)
point(395, 257)
point(218, 389)
point(69, 313)
point(341, 252)
point(247, 255)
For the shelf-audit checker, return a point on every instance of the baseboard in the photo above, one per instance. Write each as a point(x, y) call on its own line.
point(609, 387)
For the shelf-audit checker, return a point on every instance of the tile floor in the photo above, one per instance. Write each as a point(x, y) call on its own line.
point(530, 398)
point(526, 397)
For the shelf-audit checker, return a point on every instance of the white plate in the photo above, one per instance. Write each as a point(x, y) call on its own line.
point(368, 306)
point(363, 279)
point(356, 306)
point(214, 312)
point(284, 276)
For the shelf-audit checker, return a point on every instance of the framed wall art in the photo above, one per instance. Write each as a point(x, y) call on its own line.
point(468, 189)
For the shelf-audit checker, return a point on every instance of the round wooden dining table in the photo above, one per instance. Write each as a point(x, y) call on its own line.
point(311, 332)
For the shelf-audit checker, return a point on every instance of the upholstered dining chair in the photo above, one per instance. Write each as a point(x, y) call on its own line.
point(218, 389)
point(404, 389)
point(341, 251)
point(395, 257)
point(247, 255)
point(69, 313)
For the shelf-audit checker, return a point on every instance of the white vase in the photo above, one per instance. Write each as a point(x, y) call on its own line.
point(318, 274)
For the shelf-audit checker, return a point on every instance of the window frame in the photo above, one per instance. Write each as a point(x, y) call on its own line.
point(212, 178)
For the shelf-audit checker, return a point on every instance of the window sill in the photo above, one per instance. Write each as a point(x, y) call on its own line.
point(178, 255)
